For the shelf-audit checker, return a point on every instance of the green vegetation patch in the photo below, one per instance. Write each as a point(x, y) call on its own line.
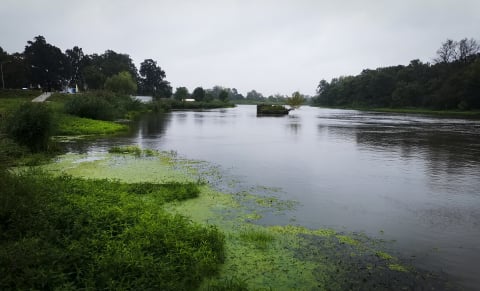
point(272, 109)
point(73, 125)
point(286, 257)
point(72, 233)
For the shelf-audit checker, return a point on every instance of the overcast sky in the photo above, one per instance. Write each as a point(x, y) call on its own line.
point(272, 46)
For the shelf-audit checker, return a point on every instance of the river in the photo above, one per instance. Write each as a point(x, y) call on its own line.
point(411, 179)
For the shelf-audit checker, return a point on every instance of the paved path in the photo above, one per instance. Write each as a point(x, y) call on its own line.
point(42, 97)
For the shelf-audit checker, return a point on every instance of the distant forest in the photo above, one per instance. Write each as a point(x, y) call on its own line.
point(43, 65)
point(452, 82)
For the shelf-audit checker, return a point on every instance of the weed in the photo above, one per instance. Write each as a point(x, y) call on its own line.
point(71, 233)
point(257, 237)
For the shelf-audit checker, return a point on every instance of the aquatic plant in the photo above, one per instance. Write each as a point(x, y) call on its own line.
point(259, 238)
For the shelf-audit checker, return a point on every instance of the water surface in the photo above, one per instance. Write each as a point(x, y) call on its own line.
point(408, 178)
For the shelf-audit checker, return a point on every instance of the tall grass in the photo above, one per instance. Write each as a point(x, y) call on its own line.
point(71, 233)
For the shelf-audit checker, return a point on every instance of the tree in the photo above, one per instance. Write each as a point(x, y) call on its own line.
point(152, 80)
point(255, 96)
point(48, 65)
point(122, 83)
point(76, 59)
point(181, 93)
point(223, 96)
point(198, 94)
point(447, 52)
point(94, 78)
point(466, 49)
point(112, 63)
point(296, 100)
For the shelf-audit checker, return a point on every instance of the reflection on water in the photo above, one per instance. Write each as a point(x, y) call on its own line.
point(414, 179)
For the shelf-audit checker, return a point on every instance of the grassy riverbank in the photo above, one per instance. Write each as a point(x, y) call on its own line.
point(421, 111)
point(255, 256)
point(165, 105)
point(64, 124)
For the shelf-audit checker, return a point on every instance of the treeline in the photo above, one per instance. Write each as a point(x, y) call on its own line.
point(231, 94)
point(451, 82)
point(43, 65)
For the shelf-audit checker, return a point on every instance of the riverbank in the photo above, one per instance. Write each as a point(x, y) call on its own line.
point(283, 257)
point(166, 105)
point(422, 111)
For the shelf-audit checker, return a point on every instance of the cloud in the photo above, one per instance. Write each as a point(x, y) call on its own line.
point(270, 46)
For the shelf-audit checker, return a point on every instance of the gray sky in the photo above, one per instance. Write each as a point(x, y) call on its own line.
point(272, 46)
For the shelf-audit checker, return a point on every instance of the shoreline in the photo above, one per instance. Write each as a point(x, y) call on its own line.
point(418, 111)
point(288, 255)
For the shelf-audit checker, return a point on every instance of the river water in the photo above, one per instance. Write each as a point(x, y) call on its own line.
point(407, 178)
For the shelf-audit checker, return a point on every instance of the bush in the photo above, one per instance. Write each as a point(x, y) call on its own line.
point(31, 125)
point(90, 106)
point(122, 83)
point(101, 105)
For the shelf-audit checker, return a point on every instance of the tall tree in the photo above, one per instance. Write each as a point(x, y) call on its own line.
point(223, 96)
point(447, 52)
point(181, 93)
point(466, 49)
point(198, 94)
point(153, 80)
point(48, 65)
point(255, 96)
point(112, 63)
point(76, 59)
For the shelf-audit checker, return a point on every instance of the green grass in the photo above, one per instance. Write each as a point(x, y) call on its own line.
point(259, 238)
point(73, 125)
point(72, 233)
point(12, 99)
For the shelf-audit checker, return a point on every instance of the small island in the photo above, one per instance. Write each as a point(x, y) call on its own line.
point(276, 110)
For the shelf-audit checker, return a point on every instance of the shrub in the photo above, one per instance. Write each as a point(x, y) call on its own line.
point(102, 105)
point(121, 83)
point(90, 106)
point(31, 125)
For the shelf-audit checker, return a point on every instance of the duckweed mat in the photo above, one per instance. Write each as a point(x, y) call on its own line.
point(260, 257)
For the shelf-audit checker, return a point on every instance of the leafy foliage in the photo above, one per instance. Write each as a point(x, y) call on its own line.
point(102, 105)
point(181, 93)
point(153, 80)
point(121, 83)
point(451, 83)
point(198, 94)
point(31, 125)
point(296, 100)
point(71, 233)
point(48, 66)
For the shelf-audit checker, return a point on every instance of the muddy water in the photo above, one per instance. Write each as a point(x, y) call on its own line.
point(411, 179)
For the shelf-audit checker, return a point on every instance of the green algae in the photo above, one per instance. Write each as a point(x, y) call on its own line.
point(384, 255)
point(256, 257)
point(347, 240)
point(397, 267)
